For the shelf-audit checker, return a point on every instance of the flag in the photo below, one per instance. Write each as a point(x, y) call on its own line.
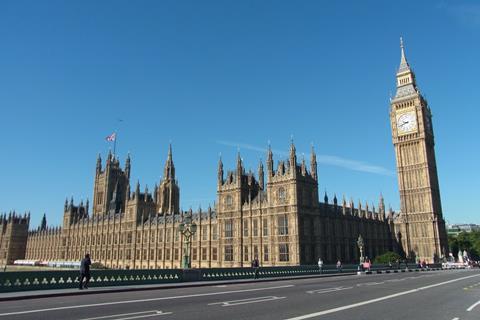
point(111, 137)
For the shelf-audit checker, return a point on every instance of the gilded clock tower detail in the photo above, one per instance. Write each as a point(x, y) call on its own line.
point(420, 227)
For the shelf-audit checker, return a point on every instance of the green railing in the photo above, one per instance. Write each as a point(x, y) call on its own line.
point(42, 280)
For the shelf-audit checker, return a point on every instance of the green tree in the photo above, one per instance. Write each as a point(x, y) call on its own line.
point(387, 257)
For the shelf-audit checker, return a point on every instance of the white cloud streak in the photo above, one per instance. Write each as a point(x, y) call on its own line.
point(336, 161)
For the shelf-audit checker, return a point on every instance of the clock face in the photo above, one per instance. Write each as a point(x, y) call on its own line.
point(406, 122)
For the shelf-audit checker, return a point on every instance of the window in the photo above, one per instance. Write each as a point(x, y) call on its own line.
point(228, 228)
point(160, 235)
point(204, 254)
point(152, 254)
point(204, 233)
point(167, 254)
point(255, 252)
point(228, 201)
point(214, 232)
point(228, 253)
point(128, 255)
point(144, 257)
point(283, 252)
point(175, 254)
point(245, 227)
point(169, 235)
point(129, 237)
point(137, 254)
point(265, 227)
point(99, 197)
point(265, 253)
point(177, 235)
point(281, 195)
point(139, 237)
point(214, 254)
point(194, 254)
point(255, 228)
point(245, 253)
point(282, 222)
point(152, 237)
point(159, 254)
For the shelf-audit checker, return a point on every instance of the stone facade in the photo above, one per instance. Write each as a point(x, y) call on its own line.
point(280, 221)
point(420, 225)
point(274, 215)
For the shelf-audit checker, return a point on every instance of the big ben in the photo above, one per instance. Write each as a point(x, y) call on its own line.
point(420, 225)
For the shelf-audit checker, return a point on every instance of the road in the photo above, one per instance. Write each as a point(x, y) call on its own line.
point(451, 295)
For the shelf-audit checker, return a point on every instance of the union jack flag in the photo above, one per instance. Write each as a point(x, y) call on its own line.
point(111, 137)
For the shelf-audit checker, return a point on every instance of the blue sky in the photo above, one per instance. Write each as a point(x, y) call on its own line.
point(212, 76)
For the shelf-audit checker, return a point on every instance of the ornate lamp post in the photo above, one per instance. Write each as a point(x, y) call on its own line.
point(188, 229)
point(360, 245)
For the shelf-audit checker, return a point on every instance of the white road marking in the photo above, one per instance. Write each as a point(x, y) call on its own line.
point(142, 300)
point(246, 301)
point(370, 284)
point(456, 318)
point(359, 304)
point(141, 314)
point(124, 314)
point(326, 290)
point(473, 306)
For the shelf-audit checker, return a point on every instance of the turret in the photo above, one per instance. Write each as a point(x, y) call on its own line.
point(261, 174)
point(99, 165)
point(293, 158)
point(127, 166)
point(313, 164)
point(269, 163)
point(220, 172)
point(169, 171)
point(43, 224)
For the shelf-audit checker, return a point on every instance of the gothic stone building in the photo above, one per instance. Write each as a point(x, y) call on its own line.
point(274, 215)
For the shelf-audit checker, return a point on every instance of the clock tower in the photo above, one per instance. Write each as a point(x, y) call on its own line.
point(420, 226)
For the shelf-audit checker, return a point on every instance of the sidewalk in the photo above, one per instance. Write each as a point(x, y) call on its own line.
point(34, 294)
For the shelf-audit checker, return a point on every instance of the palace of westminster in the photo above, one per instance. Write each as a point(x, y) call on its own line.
point(275, 215)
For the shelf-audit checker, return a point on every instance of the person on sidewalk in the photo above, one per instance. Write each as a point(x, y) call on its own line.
point(85, 272)
point(339, 266)
point(256, 265)
point(320, 265)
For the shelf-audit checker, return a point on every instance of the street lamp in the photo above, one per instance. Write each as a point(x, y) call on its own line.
point(188, 229)
point(360, 245)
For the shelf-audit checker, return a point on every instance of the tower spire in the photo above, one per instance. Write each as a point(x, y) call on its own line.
point(403, 59)
point(169, 171)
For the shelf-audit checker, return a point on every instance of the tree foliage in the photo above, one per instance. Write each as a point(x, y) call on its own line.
point(387, 257)
point(469, 241)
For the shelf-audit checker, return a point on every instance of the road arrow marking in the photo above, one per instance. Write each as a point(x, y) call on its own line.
point(131, 315)
point(326, 290)
point(246, 301)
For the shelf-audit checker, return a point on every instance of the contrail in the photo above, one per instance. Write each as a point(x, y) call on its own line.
point(337, 161)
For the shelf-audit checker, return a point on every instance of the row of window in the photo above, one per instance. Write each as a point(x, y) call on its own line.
point(283, 253)
point(282, 227)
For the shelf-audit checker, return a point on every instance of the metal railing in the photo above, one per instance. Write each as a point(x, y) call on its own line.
point(41, 280)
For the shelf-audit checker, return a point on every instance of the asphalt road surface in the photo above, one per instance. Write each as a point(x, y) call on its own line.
point(451, 295)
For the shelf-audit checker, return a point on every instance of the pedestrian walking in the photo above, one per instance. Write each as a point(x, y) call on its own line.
point(339, 266)
point(320, 265)
point(255, 265)
point(85, 272)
